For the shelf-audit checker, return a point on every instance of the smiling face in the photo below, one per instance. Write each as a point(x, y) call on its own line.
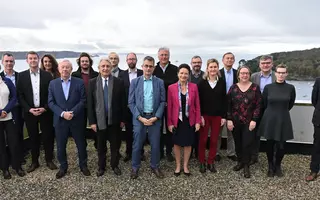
point(105, 68)
point(163, 56)
point(33, 60)
point(183, 75)
point(213, 69)
point(196, 64)
point(131, 61)
point(84, 62)
point(244, 75)
point(8, 62)
point(265, 65)
point(47, 64)
point(228, 60)
point(65, 69)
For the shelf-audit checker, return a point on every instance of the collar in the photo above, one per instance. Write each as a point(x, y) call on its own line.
point(37, 72)
point(105, 79)
point(135, 70)
point(196, 74)
point(164, 66)
point(5, 73)
point(261, 74)
point(150, 79)
point(69, 79)
point(114, 70)
point(226, 71)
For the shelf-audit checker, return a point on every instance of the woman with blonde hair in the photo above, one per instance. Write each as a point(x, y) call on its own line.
point(213, 103)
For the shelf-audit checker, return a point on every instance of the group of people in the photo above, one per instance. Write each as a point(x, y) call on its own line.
point(175, 107)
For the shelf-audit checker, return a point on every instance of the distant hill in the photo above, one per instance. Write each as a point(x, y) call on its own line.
point(58, 54)
point(302, 65)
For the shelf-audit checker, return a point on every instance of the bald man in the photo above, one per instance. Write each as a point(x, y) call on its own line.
point(67, 99)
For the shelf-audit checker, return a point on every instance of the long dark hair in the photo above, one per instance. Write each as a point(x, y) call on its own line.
point(54, 64)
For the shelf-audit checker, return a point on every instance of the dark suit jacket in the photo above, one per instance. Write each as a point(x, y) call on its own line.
point(75, 102)
point(25, 93)
point(118, 101)
point(124, 75)
point(315, 99)
point(235, 78)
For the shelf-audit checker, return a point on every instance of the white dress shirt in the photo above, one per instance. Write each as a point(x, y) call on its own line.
point(132, 74)
point(35, 82)
point(4, 99)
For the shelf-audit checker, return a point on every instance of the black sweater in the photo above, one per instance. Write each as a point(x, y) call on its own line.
point(213, 102)
point(169, 77)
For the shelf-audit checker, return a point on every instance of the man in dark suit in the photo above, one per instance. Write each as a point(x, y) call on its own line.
point(262, 78)
point(8, 62)
point(147, 100)
point(127, 76)
point(86, 72)
point(33, 97)
point(315, 155)
point(169, 74)
point(67, 99)
point(230, 76)
point(106, 113)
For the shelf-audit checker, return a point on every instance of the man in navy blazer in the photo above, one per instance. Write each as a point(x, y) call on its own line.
point(147, 99)
point(67, 99)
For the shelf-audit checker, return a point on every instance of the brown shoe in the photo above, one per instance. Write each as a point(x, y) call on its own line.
point(158, 173)
point(312, 176)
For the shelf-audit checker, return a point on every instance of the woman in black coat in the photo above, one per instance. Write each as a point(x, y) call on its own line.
point(276, 125)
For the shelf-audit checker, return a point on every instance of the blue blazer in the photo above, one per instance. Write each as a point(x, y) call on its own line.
point(136, 97)
point(12, 95)
point(76, 101)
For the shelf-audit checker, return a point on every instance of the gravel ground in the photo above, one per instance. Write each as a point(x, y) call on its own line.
point(226, 184)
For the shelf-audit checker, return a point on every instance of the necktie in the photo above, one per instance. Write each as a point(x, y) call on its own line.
point(105, 96)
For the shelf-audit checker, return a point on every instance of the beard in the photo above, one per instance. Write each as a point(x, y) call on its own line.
point(132, 65)
point(197, 68)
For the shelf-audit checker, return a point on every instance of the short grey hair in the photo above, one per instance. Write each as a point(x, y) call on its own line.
point(104, 59)
point(149, 58)
point(164, 49)
point(266, 57)
point(196, 56)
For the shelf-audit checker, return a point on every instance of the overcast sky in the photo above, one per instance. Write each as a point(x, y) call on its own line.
point(185, 26)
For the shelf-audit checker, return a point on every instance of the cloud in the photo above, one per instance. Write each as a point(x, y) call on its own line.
point(202, 26)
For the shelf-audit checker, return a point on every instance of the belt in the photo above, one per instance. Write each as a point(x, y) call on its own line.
point(148, 114)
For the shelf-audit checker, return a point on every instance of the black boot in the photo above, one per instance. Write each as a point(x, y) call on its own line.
point(279, 156)
point(270, 169)
point(246, 171)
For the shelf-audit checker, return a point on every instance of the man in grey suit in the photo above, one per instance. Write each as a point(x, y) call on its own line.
point(147, 100)
point(262, 78)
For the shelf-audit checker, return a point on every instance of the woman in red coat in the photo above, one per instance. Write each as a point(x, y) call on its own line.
point(183, 116)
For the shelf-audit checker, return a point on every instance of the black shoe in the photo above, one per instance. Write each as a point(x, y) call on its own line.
point(6, 174)
point(202, 168)
point(20, 172)
point(246, 171)
point(211, 168)
point(233, 158)
point(117, 171)
point(170, 158)
point(278, 171)
point(158, 173)
point(51, 165)
point(85, 171)
point(238, 167)
point(217, 158)
point(33, 167)
point(143, 157)
point(127, 158)
point(187, 173)
point(270, 172)
point(61, 173)
point(100, 172)
point(134, 174)
point(177, 173)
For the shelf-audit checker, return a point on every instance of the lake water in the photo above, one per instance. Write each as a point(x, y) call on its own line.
point(303, 88)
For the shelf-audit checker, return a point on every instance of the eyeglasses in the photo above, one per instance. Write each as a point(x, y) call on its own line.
point(131, 59)
point(148, 66)
point(199, 63)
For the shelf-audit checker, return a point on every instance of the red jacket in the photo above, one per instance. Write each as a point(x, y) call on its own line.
point(173, 105)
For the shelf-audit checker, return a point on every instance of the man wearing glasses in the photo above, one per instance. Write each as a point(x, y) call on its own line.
point(264, 77)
